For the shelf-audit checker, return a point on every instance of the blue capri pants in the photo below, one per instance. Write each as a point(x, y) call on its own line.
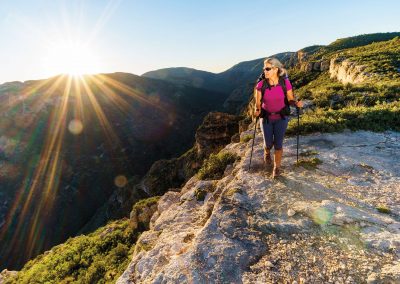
point(274, 132)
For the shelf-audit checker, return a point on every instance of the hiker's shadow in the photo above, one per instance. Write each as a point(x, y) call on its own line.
point(257, 167)
point(318, 192)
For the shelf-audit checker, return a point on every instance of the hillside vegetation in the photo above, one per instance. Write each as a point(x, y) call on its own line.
point(370, 105)
point(99, 257)
point(351, 42)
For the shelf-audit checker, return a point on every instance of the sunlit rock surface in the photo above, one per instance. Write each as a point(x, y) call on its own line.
point(346, 71)
point(318, 223)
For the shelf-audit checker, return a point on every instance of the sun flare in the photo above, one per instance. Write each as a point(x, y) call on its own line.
point(72, 58)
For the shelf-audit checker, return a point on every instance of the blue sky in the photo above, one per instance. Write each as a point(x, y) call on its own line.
point(138, 36)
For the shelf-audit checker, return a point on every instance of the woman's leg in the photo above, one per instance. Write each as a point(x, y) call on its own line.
point(267, 132)
point(279, 130)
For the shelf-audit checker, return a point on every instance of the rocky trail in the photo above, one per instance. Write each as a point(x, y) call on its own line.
point(334, 218)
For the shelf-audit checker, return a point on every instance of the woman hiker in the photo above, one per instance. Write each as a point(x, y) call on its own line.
point(274, 120)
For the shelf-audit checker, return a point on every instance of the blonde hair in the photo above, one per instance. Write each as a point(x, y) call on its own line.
point(276, 63)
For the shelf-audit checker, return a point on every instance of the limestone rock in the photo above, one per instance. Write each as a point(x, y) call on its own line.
point(244, 229)
point(291, 212)
point(348, 72)
point(142, 215)
point(215, 132)
point(6, 274)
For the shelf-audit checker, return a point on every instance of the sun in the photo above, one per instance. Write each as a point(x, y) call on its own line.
point(72, 58)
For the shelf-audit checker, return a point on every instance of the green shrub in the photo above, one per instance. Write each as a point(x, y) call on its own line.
point(309, 163)
point(200, 194)
point(383, 209)
point(380, 117)
point(246, 138)
point(147, 202)
point(308, 153)
point(99, 257)
point(230, 192)
point(214, 166)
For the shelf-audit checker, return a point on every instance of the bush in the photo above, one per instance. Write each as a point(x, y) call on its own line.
point(147, 202)
point(246, 138)
point(214, 166)
point(378, 118)
point(99, 257)
point(309, 163)
point(383, 209)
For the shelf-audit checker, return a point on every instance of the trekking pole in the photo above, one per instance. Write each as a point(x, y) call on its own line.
point(298, 130)
point(254, 138)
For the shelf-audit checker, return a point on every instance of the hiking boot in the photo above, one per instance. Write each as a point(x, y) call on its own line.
point(267, 157)
point(276, 172)
point(277, 163)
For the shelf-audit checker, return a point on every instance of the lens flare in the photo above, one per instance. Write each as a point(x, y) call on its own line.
point(120, 181)
point(321, 216)
point(75, 126)
point(59, 105)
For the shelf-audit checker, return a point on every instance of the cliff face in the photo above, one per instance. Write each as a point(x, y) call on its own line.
point(127, 122)
point(321, 65)
point(346, 71)
point(211, 136)
point(317, 223)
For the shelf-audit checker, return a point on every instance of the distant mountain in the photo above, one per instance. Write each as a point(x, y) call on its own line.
point(66, 145)
point(239, 80)
point(189, 77)
point(226, 81)
point(241, 75)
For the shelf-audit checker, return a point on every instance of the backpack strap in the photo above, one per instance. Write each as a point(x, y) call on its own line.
point(264, 87)
point(283, 85)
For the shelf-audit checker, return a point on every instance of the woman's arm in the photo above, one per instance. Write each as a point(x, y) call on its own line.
point(290, 97)
point(257, 97)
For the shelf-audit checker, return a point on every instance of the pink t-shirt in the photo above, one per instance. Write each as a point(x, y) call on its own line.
point(274, 99)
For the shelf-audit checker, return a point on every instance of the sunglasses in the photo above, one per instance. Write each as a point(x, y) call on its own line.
point(268, 68)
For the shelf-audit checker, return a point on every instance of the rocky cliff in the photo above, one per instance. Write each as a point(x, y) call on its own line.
point(347, 71)
point(332, 218)
point(211, 136)
point(126, 123)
